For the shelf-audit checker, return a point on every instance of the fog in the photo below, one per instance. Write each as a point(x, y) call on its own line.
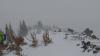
point(76, 14)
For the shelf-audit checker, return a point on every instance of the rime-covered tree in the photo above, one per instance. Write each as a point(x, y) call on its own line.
point(23, 29)
point(39, 26)
point(11, 32)
point(7, 34)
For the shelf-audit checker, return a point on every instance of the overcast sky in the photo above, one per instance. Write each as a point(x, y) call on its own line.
point(77, 14)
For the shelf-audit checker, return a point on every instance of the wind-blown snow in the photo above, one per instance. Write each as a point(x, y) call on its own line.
point(59, 47)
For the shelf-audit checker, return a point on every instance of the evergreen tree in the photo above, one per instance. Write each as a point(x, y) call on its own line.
point(39, 26)
point(7, 33)
point(23, 29)
point(11, 32)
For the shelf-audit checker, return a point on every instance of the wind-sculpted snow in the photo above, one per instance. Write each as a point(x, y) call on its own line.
point(59, 46)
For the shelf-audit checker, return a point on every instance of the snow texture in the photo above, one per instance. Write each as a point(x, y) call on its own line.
point(59, 46)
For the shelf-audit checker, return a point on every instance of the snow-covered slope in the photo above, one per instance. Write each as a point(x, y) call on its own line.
point(59, 47)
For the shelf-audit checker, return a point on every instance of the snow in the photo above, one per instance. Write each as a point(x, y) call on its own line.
point(59, 47)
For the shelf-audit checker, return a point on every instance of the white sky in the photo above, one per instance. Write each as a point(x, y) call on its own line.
point(77, 14)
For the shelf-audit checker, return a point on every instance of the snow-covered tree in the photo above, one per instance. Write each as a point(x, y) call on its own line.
point(7, 33)
point(39, 26)
point(23, 30)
